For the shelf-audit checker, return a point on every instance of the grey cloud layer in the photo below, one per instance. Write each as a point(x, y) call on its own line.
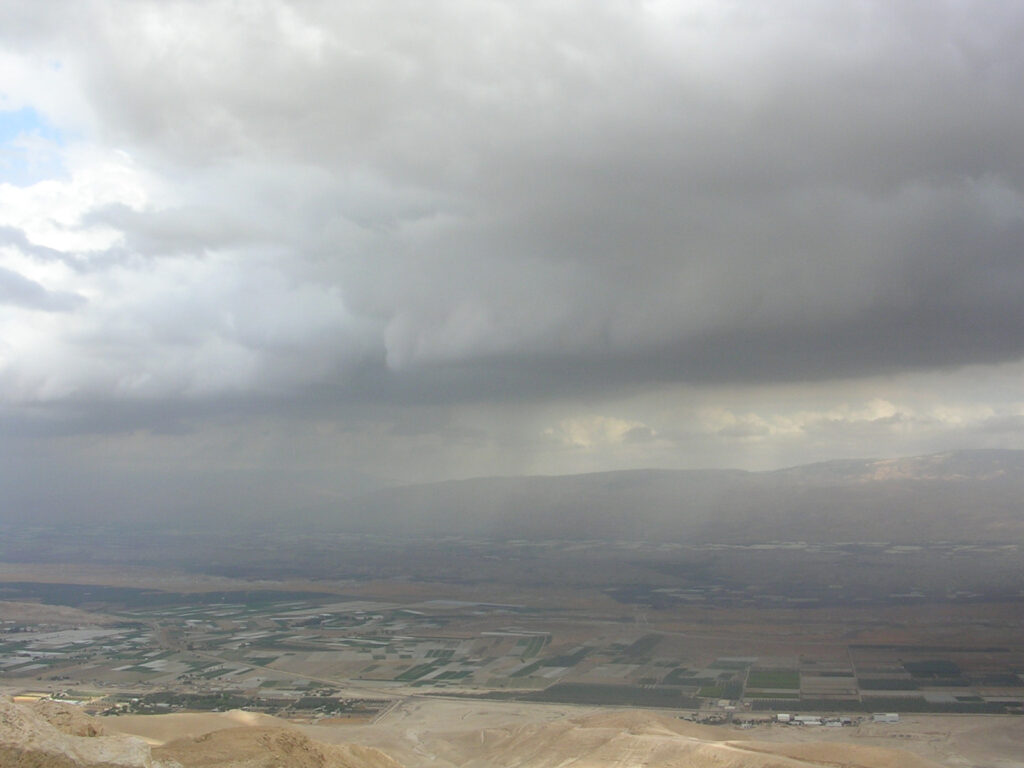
point(463, 200)
point(20, 291)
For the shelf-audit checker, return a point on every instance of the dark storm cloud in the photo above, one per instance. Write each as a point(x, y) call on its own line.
point(467, 202)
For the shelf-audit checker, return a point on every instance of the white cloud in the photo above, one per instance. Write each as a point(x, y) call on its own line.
point(598, 432)
point(50, 212)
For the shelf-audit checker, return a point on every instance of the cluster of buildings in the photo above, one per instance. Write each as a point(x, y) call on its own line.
point(877, 717)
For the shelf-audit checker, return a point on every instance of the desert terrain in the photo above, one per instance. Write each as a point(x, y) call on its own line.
point(424, 732)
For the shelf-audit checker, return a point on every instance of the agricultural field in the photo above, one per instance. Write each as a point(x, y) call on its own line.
point(323, 652)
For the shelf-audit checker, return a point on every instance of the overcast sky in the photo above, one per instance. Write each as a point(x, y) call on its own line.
point(321, 241)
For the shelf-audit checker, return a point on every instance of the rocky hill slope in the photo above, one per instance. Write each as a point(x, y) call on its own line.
point(48, 734)
point(51, 735)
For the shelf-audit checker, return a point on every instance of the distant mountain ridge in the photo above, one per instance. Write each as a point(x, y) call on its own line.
point(984, 464)
point(952, 496)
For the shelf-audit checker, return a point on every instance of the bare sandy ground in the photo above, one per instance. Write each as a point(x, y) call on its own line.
point(424, 732)
point(421, 732)
point(157, 730)
point(256, 747)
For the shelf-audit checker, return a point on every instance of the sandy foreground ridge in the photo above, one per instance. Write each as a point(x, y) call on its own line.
point(51, 735)
point(48, 734)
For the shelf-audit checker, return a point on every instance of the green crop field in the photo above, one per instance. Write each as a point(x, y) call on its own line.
point(773, 678)
point(534, 646)
point(414, 673)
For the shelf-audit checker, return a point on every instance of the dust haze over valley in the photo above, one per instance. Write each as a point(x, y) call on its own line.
point(511, 383)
